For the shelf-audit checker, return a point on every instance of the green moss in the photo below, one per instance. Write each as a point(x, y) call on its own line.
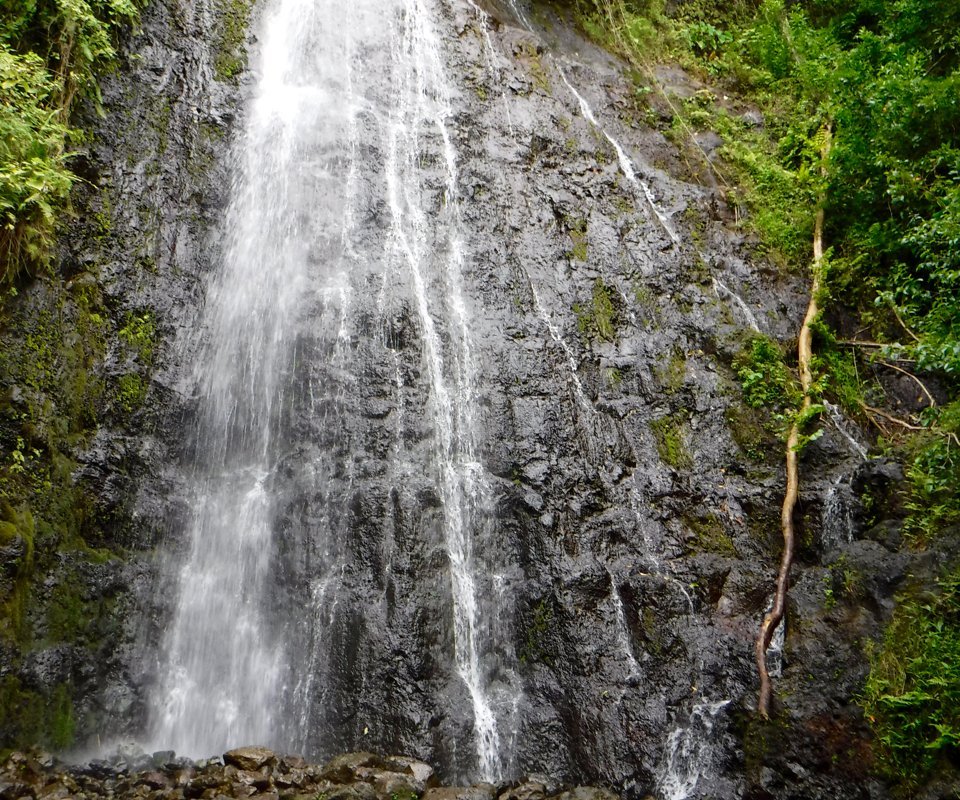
point(652, 631)
point(29, 718)
point(673, 374)
point(530, 58)
point(231, 58)
point(131, 392)
point(535, 645)
point(670, 437)
point(65, 613)
point(598, 319)
point(61, 721)
point(577, 231)
point(139, 335)
point(748, 431)
point(711, 535)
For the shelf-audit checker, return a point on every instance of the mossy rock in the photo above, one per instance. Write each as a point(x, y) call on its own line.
point(748, 431)
point(670, 435)
point(711, 537)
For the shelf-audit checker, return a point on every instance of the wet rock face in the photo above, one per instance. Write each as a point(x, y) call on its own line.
point(104, 402)
point(353, 776)
point(626, 546)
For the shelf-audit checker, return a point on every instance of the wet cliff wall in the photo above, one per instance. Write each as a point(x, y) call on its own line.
point(632, 528)
point(86, 386)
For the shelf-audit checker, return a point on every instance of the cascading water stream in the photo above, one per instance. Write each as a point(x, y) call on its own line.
point(422, 112)
point(221, 679)
point(690, 752)
point(295, 252)
point(625, 164)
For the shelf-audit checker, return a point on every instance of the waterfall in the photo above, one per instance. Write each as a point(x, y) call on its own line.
point(422, 111)
point(690, 752)
point(346, 179)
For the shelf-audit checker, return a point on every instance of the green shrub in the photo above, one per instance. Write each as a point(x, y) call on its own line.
point(912, 695)
point(763, 374)
point(34, 179)
point(51, 53)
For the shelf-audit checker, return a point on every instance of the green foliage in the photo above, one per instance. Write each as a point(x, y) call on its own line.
point(705, 39)
point(763, 374)
point(912, 695)
point(599, 318)
point(34, 179)
point(51, 52)
point(934, 476)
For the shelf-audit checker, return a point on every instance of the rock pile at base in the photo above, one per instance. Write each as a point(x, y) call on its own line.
point(258, 774)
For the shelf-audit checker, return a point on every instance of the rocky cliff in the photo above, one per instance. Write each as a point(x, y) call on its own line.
point(627, 544)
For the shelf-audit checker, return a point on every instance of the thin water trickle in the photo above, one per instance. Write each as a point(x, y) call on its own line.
point(623, 630)
point(422, 111)
point(720, 289)
point(843, 426)
point(837, 518)
point(625, 164)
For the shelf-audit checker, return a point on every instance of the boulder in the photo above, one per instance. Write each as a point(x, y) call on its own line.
point(250, 758)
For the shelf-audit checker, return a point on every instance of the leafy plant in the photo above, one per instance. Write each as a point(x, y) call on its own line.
point(912, 696)
point(51, 53)
point(763, 374)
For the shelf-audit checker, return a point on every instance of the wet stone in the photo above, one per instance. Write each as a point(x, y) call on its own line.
point(357, 791)
point(587, 793)
point(250, 758)
point(294, 779)
point(289, 763)
point(529, 790)
point(154, 780)
point(259, 779)
point(483, 791)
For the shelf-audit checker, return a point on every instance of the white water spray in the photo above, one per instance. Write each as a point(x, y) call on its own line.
point(690, 752)
point(329, 92)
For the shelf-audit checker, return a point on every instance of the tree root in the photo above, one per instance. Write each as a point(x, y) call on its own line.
point(805, 354)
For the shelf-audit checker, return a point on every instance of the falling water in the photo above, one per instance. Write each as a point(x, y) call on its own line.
point(625, 164)
point(623, 630)
point(422, 112)
point(842, 425)
point(220, 681)
point(837, 517)
point(328, 93)
point(690, 752)
point(721, 289)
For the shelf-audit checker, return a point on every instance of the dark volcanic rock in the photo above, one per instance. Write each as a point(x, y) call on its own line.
point(626, 538)
point(250, 758)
